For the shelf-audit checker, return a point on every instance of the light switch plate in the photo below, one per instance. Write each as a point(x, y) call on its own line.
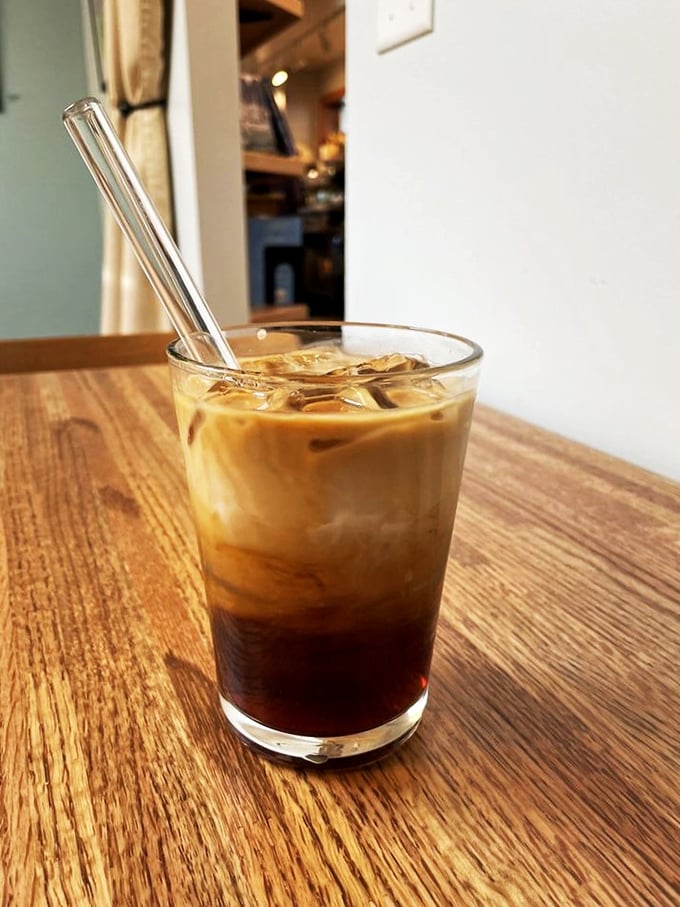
point(401, 20)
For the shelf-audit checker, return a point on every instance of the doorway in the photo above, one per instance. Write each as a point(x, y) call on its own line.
point(306, 65)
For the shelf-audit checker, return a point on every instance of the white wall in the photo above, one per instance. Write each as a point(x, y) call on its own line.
point(515, 176)
point(205, 153)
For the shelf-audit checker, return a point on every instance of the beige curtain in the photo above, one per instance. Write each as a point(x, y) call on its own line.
point(135, 68)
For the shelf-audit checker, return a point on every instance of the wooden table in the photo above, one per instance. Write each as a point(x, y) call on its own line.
point(546, 771)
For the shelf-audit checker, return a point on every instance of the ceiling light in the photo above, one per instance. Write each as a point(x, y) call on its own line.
point(279, 78)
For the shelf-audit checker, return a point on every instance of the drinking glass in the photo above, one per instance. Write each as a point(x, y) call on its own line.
point(324, 480)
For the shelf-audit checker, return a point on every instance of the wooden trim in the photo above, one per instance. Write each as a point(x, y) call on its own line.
point(50, 354)
point(295, 312)
point(43, 354)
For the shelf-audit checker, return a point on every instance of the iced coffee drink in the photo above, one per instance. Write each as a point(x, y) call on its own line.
point(324, 479)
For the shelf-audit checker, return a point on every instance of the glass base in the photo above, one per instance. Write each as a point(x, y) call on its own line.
point(349, 751)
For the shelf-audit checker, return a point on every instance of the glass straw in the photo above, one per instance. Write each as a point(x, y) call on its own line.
point(118, 181)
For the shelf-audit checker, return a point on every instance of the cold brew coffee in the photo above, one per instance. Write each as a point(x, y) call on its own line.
point(324, 485)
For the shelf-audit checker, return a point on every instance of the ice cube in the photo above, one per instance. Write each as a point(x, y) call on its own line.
point(394, 362)
point(324, 399)
point(381, 397)
point(240, 393)
point(389, 364)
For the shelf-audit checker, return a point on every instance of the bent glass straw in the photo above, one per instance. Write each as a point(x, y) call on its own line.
point(118, 181)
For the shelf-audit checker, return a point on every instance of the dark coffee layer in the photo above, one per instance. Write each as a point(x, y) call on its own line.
point(323, 683)
point(324, 510)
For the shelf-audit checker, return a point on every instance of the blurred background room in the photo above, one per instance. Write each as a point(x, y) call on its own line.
point(509, 174)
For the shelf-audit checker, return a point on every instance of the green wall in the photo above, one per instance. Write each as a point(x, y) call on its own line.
point(50, 220)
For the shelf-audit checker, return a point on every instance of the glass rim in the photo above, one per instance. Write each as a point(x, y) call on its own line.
point(474, 355)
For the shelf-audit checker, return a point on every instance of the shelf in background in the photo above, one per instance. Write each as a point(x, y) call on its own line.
point(260, 20)
point(277, 164)
point(296, 312)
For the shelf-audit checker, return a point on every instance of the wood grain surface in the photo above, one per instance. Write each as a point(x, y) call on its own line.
point(546, 770)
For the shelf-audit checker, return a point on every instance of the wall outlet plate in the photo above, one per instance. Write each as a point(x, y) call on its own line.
point(402, 20)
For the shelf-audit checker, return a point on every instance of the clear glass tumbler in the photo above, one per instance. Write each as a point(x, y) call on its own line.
point(324, 480)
